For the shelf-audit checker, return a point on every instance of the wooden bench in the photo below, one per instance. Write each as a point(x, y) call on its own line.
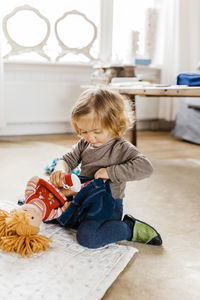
point(152, 91)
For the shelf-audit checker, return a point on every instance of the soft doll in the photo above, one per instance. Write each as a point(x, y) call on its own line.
point(46, 202)
point(43, 201)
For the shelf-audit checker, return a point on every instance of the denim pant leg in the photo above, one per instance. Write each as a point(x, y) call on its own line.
point(95, 234)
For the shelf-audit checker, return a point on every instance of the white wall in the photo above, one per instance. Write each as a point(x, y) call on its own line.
point(39, 97)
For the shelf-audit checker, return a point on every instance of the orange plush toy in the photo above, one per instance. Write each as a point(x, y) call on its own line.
point(19, 228)
point(17, 235)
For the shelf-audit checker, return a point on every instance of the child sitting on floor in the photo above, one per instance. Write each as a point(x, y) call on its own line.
point(101, 117)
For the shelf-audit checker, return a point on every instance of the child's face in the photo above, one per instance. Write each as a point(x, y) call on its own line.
point(92, 131)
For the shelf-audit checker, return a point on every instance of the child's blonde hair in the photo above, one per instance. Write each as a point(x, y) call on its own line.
point(111, 109)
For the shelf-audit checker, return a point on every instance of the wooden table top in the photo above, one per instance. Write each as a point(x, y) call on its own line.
point(156, 91)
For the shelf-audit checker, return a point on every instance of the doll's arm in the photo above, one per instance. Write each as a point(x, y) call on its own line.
point(31, 186)
point(55, 213)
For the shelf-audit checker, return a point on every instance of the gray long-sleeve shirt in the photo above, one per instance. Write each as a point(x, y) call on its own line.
point(121, 159)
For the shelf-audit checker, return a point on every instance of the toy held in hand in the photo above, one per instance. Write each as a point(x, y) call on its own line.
point(72, 182)
point(43, 201)
point(47, 200)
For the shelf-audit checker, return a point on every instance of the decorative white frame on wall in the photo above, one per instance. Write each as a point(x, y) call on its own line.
point(17, 48)
point(84, 50)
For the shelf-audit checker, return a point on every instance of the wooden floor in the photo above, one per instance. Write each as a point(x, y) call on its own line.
point(169, 200)
point(159, 144)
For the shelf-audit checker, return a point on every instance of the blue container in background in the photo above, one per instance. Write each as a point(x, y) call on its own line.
point(143, 61)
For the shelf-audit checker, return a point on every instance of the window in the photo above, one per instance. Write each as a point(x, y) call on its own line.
point(119, 24)
point(27, 29)
point(132, 20)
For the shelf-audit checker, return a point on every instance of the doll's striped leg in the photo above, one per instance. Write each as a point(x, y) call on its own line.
point(31, 186)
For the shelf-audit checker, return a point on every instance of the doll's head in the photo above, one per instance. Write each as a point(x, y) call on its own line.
point(33, 214)
point(18, 235)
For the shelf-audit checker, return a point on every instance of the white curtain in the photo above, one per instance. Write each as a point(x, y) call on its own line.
point(180, 29)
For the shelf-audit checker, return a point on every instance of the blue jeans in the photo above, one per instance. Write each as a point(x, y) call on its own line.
point(95, 234)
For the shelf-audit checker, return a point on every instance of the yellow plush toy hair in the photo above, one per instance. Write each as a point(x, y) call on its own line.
point(3, 228)
point(17, 235)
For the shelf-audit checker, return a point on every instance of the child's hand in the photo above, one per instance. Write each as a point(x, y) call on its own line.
point(101, 173)
point(57, 178)
point(68, 192)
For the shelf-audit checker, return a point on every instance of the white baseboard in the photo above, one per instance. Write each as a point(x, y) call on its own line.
point(15, 129)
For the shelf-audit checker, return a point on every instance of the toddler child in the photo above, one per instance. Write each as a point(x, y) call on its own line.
point(101, 117)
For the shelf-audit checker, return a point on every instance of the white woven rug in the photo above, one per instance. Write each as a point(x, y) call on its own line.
point(65, 271)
